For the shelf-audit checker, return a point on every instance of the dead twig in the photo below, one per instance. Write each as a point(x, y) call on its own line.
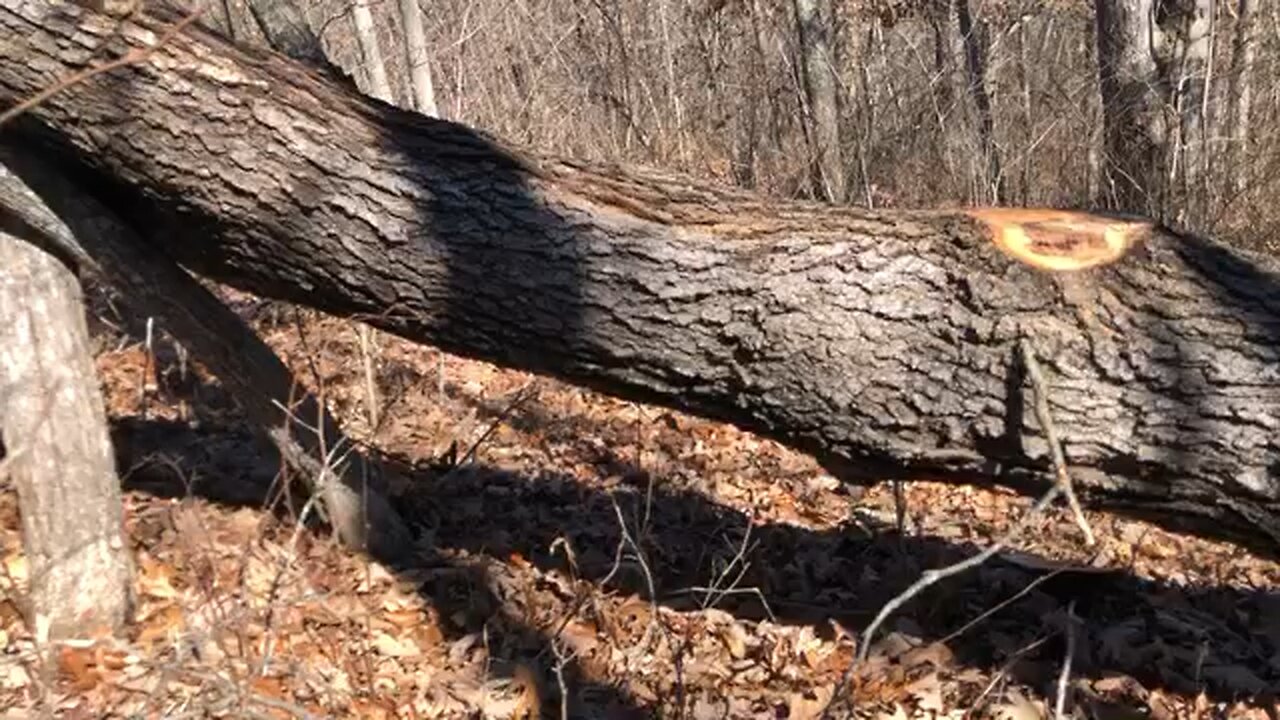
point(564, 687)
point(1006, 667)
point(1065, 676)
point(1036, 375)
point(929, 578)
point(999, 606)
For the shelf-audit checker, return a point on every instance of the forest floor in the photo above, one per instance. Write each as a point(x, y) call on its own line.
point(581, 556)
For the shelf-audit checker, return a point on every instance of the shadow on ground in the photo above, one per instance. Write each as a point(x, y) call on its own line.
point(1178, 639)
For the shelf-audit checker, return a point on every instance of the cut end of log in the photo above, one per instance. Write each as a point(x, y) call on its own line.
point(1061, 240)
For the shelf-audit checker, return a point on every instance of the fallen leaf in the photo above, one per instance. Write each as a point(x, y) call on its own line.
point(15, 566)
point(160, 625)
point(396, 647)
point(735, 639)
point(13, 676)
point(155, 579)
point(936, 654)
point(581, 637)
point(810, 704)
point(77, 664)
point(927, 692)
point(1017, 707)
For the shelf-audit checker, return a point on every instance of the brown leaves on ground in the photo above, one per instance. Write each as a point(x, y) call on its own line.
point(763, 570)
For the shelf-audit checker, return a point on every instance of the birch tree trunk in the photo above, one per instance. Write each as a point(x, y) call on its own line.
point(370, 52)
point(56, 445)
point(419, 64)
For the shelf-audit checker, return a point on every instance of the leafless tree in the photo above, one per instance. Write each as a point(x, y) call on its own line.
point(366, 36)
point(815, 27)
point(416, 58)
point(1240, 95)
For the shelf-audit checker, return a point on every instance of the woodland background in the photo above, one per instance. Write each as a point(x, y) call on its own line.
point(608, 559)
point(717, 89)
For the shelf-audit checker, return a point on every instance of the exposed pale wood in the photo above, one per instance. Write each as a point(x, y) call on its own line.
point(1062, 240)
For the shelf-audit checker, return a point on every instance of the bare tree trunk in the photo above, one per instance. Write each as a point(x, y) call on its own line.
point(882, 343)
point(974, 35)
point(1093, 186)
point(283, 25)
point(1186, 54)
point(1136, 131)
point(1152, 67)
point(57, 450)
point(1025, 74)
point(815, 24)
point(939, 16)
point(1240, 92)
point(370, 52)
point(419, 64)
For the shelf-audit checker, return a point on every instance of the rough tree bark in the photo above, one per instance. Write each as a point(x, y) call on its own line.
point(56, 447)
point(1187, 58)
point(880, 342)
point(815, 25)
point(1136, 130)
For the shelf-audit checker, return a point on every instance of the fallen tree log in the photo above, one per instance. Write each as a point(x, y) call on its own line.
point(882, 343)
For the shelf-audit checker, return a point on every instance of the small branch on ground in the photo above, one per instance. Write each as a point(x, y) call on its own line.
point(932, 577)
point(559, 671)
point(369, 356)
point(1062, 485)
point(1059, 712)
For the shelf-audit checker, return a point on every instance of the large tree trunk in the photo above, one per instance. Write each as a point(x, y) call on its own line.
point(1136, 134)
point(56, 448)
point(882, 343)
point(1189, 30)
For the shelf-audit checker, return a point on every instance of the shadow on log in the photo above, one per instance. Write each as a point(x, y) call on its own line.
point(878, 342)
